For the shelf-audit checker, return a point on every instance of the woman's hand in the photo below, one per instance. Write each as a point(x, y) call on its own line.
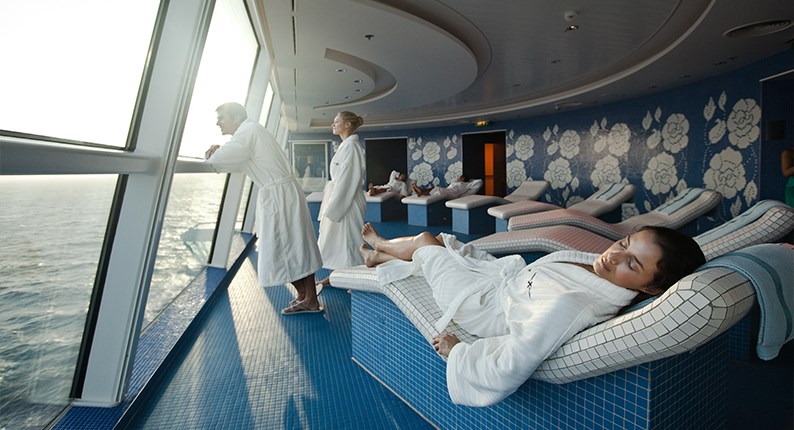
point(444, 342)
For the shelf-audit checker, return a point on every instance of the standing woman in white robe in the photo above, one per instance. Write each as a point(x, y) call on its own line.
point(286, 243)
point(343, 206)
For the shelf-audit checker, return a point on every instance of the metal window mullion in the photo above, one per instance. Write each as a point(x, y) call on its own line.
point(134, 247)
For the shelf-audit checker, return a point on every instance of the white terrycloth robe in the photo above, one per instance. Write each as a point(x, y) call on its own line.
point(519, 325)
point(342, 210)
point(286, 243)
point(395, 185)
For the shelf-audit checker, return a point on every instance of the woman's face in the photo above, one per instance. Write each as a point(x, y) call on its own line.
point(631, 262)
point(339, 125)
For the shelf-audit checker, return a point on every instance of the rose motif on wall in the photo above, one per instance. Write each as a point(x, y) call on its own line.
point(661, 175)
point(607, 171)
point(675, 133)
point(453, 172)
point(726, 173)
point(618, 140)
point(743, 123)
point(431, 152)
point(422, 174)
point(524, 147)
point(569, 144)
point(717, 132)
point(516, 173)
point(558, 173)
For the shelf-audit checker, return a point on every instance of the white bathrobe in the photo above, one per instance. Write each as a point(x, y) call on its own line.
point(522, 313)
point(395, 185)
point(342, 210)
point(286, 243)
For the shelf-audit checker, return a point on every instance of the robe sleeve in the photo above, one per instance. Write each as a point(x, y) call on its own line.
point(346, 184)
point(231, 156)
point(490, 369)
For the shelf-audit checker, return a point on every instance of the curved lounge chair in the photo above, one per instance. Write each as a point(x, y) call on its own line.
point(766, 221)
point(470, 213)
point(686, 207)
point(602, 204)
point(629, 364)
point(430, 210)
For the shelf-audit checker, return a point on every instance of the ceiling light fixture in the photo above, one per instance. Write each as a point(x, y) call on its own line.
point(572, 27)
point(340, 70)
point(482, 123)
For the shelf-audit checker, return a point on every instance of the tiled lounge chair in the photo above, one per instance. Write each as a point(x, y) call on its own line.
point(430, 210)
point(604, 203)
point(628, 371)
point(470, 213)
point(676, 213)
point(385, 206)
point(766, 221)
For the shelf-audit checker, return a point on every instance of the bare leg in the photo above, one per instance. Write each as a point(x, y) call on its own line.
point(419, 191)
point(307, 293)
point(372, 258)
point(400, 247)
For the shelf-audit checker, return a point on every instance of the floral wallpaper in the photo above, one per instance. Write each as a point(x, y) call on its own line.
point(705, 134)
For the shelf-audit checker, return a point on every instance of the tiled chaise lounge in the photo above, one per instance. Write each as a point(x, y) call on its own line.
point(643, 369)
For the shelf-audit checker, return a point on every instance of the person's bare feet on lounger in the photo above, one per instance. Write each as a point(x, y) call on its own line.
point(371, 237)
point(372, 257)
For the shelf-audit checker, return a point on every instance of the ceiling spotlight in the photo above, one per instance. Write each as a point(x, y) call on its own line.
point(572, 27)
point(369, 36)
point(569, 15)
point(357, 81)
point(340, 70)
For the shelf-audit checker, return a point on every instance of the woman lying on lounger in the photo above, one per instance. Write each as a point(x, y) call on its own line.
point(456, 189)
point(522, 313)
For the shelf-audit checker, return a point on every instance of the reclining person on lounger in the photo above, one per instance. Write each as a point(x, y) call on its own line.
point(523, 313)
point(453, 191)
point(396, 184)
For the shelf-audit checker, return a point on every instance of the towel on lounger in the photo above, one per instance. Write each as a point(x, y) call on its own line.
point(770, 268)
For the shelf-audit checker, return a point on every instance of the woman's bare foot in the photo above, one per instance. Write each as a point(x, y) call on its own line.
point(372, 257)
point(371, 237)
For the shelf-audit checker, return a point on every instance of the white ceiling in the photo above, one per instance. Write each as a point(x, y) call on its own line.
point(413, 63)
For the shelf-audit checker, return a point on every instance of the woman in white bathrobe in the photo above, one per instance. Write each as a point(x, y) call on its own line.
point(286, 244)
point(523, 313)
point(343, 205)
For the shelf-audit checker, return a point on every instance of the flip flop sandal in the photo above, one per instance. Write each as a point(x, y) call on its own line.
point(300, 309)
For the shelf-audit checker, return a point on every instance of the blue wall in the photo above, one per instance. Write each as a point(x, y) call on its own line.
point(705, 134)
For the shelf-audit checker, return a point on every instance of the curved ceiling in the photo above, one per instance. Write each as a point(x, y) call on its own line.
point(410, 63)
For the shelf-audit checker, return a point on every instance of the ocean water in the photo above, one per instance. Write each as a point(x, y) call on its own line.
point(52, 228)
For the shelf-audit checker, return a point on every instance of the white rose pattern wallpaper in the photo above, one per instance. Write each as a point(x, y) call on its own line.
point(699, 135)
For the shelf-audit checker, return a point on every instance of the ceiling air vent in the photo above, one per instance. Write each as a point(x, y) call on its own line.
point(758, 29)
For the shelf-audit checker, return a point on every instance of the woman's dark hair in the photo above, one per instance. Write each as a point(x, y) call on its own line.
point(681, 255)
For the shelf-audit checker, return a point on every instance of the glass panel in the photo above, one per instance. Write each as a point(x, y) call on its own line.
point(266, 105)
point(78, 56)
point(52, 230)
point(309, 161)
point(186, 239)
point(225, 71)
point(238, 225)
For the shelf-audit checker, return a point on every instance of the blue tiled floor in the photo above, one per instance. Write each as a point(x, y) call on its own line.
point(249, 367)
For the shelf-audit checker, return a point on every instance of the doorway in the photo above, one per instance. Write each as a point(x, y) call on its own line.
point(384, 155)
point(777, 133)
point(484, 157)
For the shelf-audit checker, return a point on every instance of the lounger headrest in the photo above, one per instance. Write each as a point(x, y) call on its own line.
point(683, 199)
point(746, 218)
point(609, 191)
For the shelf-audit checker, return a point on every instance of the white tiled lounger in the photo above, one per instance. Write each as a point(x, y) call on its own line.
point(676, 213)
point(766, 221)
point(604, 203)
point(385, 206)
point(470, 214)
point(628, 364)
